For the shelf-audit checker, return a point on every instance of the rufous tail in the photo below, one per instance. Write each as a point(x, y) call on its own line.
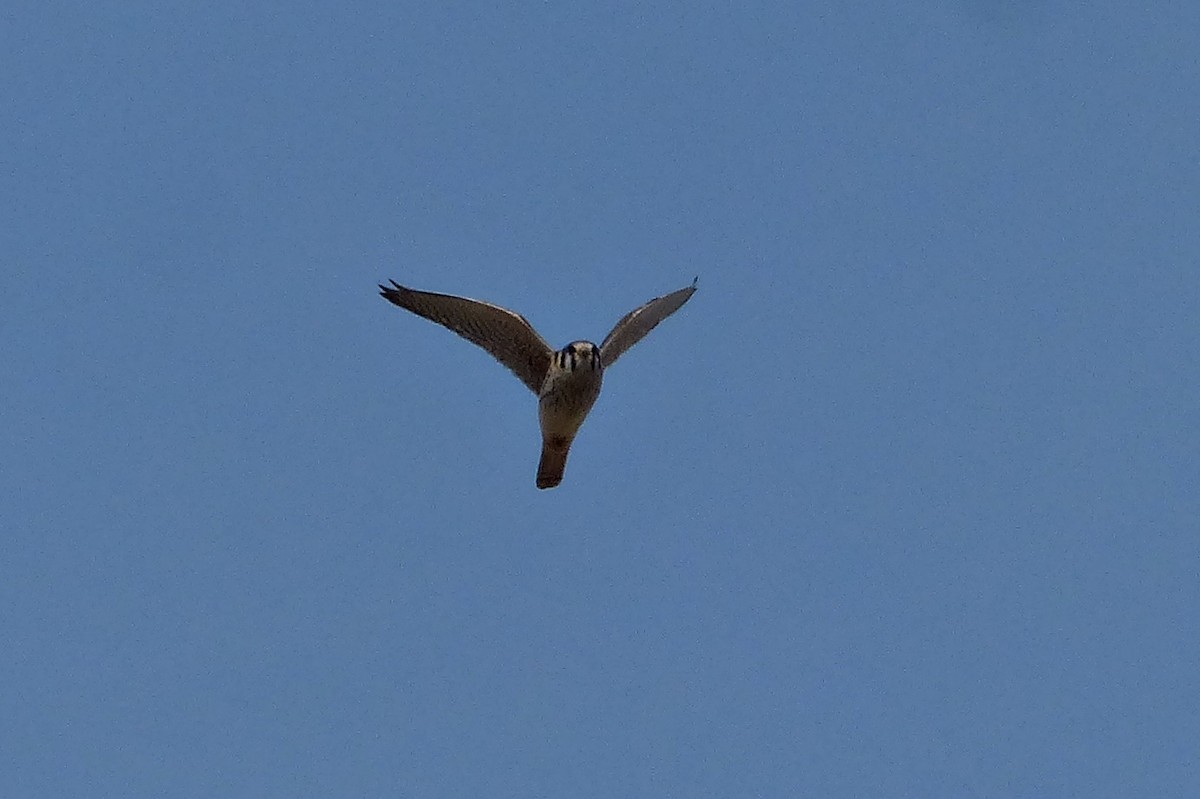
point(553, 463)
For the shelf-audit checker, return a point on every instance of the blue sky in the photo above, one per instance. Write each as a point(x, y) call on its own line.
point(902, 503)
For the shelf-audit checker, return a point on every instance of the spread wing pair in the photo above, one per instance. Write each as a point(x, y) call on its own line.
point(510, 338)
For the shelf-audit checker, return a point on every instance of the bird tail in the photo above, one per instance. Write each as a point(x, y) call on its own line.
point(553, 462)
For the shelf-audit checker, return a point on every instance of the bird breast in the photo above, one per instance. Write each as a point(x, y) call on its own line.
point(566, 398)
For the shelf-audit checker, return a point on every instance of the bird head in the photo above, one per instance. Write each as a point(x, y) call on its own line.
point(577, 355)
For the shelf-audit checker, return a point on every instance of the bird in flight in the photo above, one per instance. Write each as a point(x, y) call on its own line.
point(566, 381)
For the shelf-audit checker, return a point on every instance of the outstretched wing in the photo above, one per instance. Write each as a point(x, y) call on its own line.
point(506, 335)
point(640, 321)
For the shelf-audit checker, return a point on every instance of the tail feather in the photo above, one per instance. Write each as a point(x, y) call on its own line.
point(553, 463)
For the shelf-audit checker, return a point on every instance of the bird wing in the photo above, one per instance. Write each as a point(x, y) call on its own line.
point(640, 321)
point(508, 336)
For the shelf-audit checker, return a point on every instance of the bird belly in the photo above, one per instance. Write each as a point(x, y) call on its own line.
point(565, 403)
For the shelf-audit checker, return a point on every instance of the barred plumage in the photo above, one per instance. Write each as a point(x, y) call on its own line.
point(567, 381)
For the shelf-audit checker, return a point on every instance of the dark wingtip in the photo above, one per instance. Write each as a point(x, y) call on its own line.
point(695, 280)
point(390, 292)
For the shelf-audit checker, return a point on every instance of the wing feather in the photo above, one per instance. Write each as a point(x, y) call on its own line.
point(508, 336)
point(637, 323)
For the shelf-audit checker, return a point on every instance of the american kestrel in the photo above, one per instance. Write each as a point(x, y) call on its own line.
point(566, 381)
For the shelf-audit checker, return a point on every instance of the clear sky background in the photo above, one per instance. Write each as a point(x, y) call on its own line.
point(903, 503)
